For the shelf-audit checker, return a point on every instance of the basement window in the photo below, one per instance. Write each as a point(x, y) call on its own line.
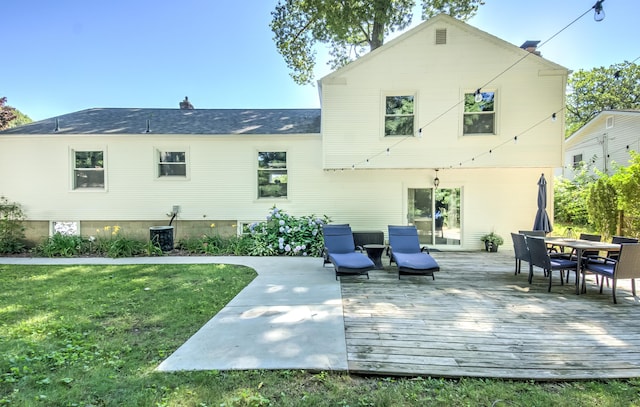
point(65, 228)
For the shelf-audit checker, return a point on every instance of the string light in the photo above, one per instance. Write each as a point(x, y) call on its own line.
point(515, 140)
point(478, 96)
point(388, 151)
point(553, 117)
point(420, 133)
point(598, 14)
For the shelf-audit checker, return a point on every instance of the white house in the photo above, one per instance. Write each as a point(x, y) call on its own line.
point(605, 141)
point(391, 123)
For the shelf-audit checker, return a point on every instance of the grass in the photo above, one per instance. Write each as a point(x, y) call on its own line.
point(93, 335)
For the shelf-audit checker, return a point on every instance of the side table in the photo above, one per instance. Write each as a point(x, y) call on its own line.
point(374, 251)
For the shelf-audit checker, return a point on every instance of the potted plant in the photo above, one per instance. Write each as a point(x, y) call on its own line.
point(492, 241)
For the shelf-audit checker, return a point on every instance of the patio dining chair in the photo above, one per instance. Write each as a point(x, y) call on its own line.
point(539, 257)
point(586, 254)
point(627, 266)
point(409, 256)
point(612, 254)
point(340, 251)
point(520, 250)
point(538, 233)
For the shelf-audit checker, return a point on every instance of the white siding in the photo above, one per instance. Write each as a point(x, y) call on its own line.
point(439, 75)
point(223, 183)
point(602, 146)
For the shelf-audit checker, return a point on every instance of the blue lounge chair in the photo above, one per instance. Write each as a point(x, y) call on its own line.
point(340, 251)
point(405, 251)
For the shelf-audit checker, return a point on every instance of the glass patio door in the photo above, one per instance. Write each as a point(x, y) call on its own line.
point(436, 214)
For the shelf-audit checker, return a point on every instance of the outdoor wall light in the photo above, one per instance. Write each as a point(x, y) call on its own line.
point(598, 14)
point(436, 180)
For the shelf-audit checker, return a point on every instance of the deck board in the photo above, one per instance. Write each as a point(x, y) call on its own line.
point(478, 319)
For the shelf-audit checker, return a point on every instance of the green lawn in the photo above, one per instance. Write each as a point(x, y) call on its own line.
point(92, 336)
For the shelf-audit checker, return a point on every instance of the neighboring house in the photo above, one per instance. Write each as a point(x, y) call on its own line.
point(391, 123)
point(604, 142)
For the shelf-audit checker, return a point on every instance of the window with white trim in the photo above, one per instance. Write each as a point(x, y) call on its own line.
point(172, 163)
point(88, 169)
point(399, 117)
point(479, 115)
point(272, 174)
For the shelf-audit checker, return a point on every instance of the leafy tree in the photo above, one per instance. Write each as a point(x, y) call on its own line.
point(598, 89)
point(11, 226)
point(11, 117)
point(7, 114)
point(348, 27)
point(571, 196)
point(603, 206)
point(627, 183)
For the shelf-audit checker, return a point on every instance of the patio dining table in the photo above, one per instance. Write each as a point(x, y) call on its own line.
point(580, 246)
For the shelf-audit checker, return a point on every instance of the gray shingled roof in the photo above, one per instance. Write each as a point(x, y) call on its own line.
point(176, 121)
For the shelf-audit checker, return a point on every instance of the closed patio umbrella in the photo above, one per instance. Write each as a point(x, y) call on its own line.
point(542, 221)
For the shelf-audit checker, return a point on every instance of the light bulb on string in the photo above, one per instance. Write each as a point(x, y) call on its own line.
point(554, 117)
point(420, 133)
point(598, 14)
point(478, 96)
point(353, 166)
point(388, 151)
point(515, 140)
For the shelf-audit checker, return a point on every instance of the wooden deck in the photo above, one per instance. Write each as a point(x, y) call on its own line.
point(477, 319)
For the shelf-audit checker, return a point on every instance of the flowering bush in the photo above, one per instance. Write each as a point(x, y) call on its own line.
point(283, 234)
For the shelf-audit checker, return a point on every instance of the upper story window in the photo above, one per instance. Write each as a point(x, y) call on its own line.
point(272, 175)
point(399, 116)
point(480, 116)
point(172, 163)
point(88, 169)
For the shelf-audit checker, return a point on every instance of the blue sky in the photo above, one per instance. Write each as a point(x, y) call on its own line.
point(68, 55)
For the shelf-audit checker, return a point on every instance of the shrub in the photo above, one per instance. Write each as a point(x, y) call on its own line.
point(111, 242)
point(282, 234)
point(603, 207)
point(60, 245)
point(108, 242)
point(11, 227)
point(571, 196)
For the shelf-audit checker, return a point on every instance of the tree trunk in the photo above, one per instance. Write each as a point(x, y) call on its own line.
point(381, 9)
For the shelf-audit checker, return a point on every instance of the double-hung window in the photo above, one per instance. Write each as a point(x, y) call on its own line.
point(399, 117)
point(88, 169)
point(272, 175)
point(479, 113)
point(172, 163)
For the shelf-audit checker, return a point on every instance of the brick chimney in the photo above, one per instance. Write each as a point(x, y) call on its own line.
point(531, 46)
point(185, 104)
